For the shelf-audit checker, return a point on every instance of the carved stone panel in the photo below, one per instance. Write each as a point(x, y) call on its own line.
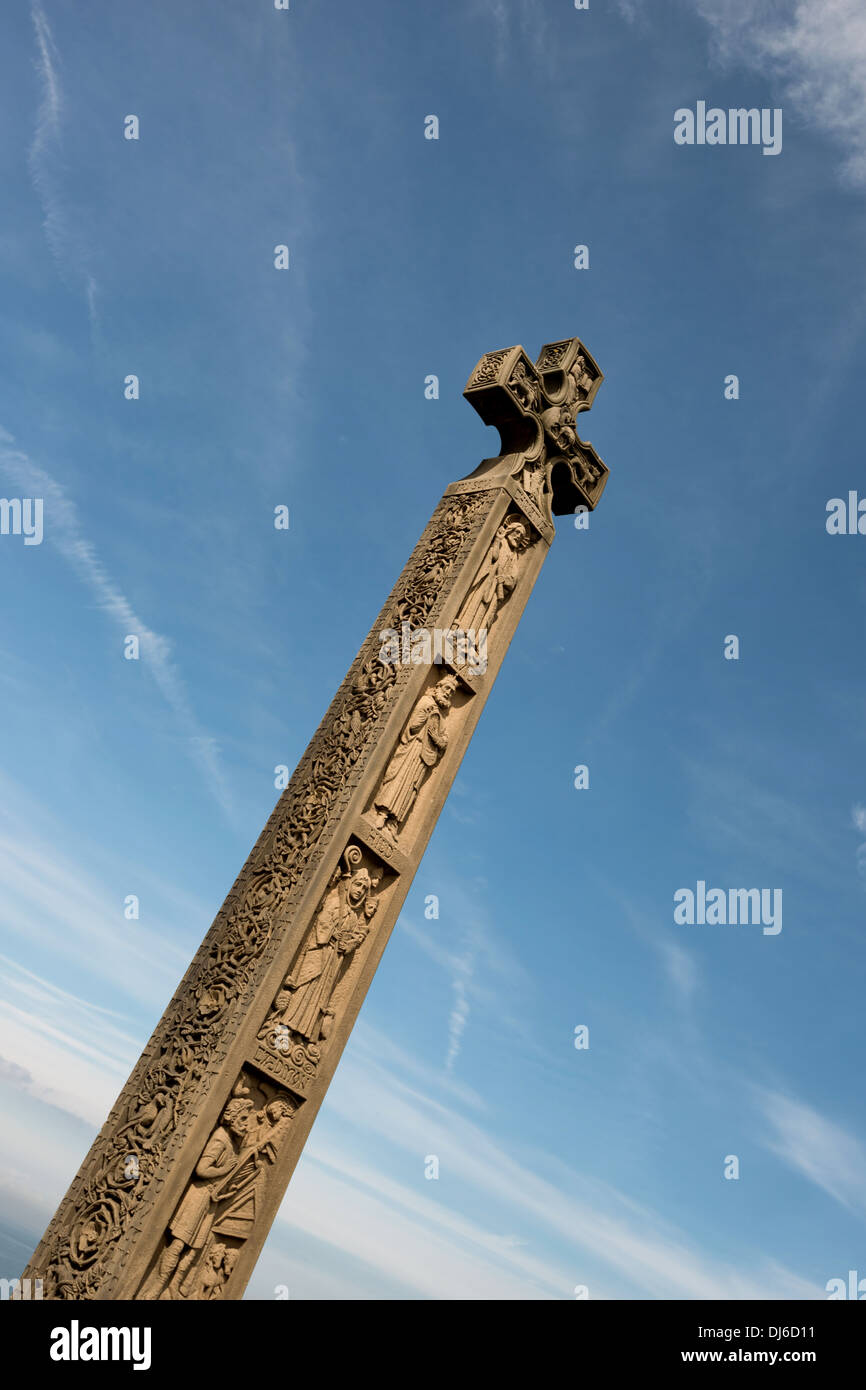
point(498, 576)
point(291, 1040)
point(219, 1206)
point(420, 749)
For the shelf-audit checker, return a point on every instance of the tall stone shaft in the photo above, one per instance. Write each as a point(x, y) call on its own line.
point(178, 1192)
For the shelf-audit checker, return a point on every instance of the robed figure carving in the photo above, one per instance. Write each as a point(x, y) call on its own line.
point(422, 743)
point(497, 577)
point(221, 1200)
point(340, 927)
point(190, 1227)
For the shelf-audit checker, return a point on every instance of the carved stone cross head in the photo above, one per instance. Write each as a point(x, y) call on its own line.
point(533, 405)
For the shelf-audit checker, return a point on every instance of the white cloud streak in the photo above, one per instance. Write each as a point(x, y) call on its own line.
point(815, 51)
point(478, 966)
point(616, 1246)
point(858, 816)
point(459, 1016)
point(64, 531)
point(528, 1235)
point(44, 160)
point(815, 1147)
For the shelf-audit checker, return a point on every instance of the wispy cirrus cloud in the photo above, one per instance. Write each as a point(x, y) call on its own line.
point(459, 1016)
point(473, 956)
point(412, 1234)
point(461, 969)
point(410, 1237)
point(815, 50)
point(598, 1235)
point(630, 8)
point(525, 25)
point(64, 531)
point(78, 1055)
point(816, 1147)
point(858, 816)
point(44, 158)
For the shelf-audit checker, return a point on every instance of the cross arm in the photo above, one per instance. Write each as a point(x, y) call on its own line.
point(533, 405)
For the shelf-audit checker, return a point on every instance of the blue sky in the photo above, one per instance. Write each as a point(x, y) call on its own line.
point(558, 1167)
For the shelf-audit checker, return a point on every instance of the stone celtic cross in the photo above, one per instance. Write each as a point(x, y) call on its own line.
point(178, 1192)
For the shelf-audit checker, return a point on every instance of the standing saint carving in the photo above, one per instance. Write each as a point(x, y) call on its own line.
point(341, 925)
point(497, 578)
point(422, 743)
